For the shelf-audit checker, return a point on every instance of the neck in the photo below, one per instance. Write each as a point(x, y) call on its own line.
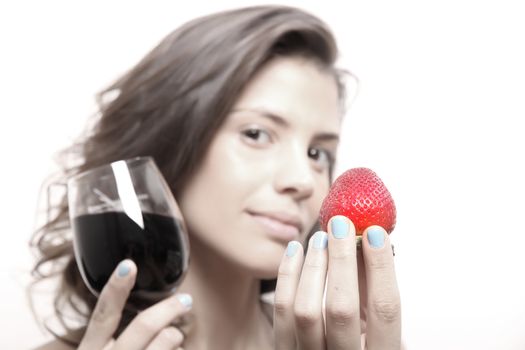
point(226, 311)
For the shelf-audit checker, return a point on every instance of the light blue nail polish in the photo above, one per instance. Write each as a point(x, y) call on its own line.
point(376, 237)
point(320, 240)
point(123, 269)
point(185, 299)
point(292, 248)
point(339, 227)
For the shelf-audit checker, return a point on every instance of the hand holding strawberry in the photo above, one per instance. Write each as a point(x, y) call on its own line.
point(338, 296)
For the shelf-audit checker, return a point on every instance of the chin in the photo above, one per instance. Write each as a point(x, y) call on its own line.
point(266, 275)
point(266, 266)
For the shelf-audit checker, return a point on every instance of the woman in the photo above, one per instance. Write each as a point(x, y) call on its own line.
point(241, 111)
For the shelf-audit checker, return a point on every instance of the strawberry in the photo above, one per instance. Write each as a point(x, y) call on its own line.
point(360, 195)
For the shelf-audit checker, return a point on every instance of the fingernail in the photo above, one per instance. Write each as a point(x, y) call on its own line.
point(291, 249)
point(376, 237)
point(185, 299)
point(320, 240)
point(339, 227)
point(123, 269)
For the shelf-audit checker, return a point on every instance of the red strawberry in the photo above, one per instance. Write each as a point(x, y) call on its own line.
point(360, 195)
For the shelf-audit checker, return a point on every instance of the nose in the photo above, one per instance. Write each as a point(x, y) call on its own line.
point(295, 174)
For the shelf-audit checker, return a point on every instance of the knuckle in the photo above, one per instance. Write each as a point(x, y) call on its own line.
point(284, 276)
point(387, 310)
point(342, 314)
point(281, 306)
point(105, 311)
point(306, 317)
point(285, 270)
point(380, 262)
point(313, 264)
point(146, 324)
point(102, 313)
point(172, 335)
point(342, 253)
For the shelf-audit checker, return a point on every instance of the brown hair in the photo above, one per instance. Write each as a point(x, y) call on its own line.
point(169, 107)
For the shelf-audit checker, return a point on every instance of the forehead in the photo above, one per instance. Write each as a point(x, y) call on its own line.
point(297, 89)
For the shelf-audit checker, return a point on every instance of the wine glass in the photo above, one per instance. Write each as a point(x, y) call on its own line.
point(125, 210)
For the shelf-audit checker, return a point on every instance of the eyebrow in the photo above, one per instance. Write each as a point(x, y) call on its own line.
point(277, 119)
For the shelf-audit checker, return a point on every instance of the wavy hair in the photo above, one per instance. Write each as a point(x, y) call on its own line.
point(169, 107)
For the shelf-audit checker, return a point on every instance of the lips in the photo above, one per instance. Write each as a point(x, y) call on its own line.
point(279, 225)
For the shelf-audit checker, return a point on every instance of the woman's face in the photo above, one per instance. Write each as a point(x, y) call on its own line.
point(266, 172)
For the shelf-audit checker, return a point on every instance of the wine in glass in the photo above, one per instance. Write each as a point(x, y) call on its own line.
point(125, 210)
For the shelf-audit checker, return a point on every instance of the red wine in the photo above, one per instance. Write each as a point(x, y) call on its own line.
point(103, 240)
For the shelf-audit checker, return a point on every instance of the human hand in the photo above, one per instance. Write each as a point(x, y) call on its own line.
point(362, 299)
point(150, 329)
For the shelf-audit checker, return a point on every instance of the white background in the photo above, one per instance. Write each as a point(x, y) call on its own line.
point(439, 117)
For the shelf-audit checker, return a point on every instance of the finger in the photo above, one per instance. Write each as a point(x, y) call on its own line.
point(150, 322)
point(109, 345)
point(343, 325)
point(309, 324)
point(384, 306)
point(285, 291)
point(108, 310)
point(168, 338)
point(363, 294)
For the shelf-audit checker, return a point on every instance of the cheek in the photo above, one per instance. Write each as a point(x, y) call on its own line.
point(317, 199)
point(322, 189)
point(314, 207)
point(217, 192)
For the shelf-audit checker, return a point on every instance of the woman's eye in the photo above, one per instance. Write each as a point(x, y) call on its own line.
point(256, 135)
point(322, 158)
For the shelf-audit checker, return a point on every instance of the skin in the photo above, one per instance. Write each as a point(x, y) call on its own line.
point(259, 186)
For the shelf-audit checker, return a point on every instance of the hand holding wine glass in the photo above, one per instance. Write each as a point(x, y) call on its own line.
point(132, 251)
